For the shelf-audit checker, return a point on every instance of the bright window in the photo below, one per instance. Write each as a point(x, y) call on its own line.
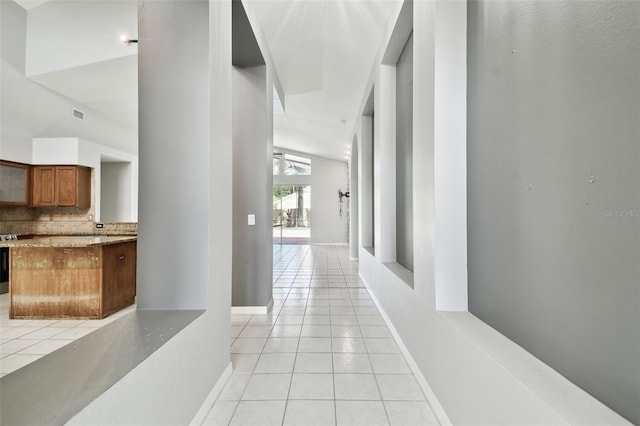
point(295, 165)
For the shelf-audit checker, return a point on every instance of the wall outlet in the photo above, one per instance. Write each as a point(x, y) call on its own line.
point(251, 219)
point(99, 225)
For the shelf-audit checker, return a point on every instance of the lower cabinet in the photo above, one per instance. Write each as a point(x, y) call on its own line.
point(118, 272)
point(77, 282)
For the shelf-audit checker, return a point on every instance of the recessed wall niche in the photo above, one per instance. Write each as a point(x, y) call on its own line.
point(399, 54)
point(368, 175)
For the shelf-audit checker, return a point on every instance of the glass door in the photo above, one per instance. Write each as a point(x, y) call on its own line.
point(277, 214)
point(291, 214)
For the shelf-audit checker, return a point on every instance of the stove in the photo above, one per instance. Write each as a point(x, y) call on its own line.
point(4, 263)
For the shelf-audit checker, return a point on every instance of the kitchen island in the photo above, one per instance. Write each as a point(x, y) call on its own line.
point(71, 277)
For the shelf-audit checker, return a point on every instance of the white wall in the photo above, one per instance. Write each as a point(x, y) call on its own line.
point(115, 192)
point(29, 110)
point(327, 226)
point(86, 153)
point(473, 375)
point(171, 385)
point(327, 176)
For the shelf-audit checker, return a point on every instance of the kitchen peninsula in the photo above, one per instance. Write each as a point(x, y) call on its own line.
point(86, 277)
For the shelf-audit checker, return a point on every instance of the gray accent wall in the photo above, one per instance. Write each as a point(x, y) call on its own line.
point(174, 164)
point(404, 156)
point(252, 166)
point(252, 189)
point(553, 186)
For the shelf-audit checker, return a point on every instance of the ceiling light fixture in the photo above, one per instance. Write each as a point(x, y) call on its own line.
point(128, 41)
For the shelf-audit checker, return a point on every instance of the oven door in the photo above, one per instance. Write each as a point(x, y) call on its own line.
point(4, 270)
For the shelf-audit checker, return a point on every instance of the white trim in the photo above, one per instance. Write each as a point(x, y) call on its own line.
point(252, 310)
point(249, 310)
point(329, 244)
point(437, 408)
point(353, 259)
point(206, 406)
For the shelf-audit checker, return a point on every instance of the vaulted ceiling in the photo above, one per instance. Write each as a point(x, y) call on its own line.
point(323, 52)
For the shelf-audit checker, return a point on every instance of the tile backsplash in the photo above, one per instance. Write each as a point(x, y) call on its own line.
point(46, 214)
point(58, 221)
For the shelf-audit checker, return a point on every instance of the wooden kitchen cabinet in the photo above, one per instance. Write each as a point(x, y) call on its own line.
point(60, 186)
point(118, 274)
point(49, 280)
point(14, 190)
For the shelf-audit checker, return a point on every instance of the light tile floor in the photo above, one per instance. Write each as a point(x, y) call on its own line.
point(24, 341)
point(323, 356)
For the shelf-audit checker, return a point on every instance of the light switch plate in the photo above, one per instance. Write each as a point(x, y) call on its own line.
point(251, 219)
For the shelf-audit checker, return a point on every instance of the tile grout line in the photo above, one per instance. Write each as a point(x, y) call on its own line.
point(293, 369)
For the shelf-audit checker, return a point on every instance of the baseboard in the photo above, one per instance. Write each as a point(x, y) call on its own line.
point(353, 259)
point(249, 310)
point(437, 408)
point(202, 413)
point(329, 244)
point(252, 310)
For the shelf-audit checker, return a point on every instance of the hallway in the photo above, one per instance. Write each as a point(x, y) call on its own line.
point(323, 356)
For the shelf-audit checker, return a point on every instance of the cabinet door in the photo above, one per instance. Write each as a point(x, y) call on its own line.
point(66, 186)
point(14, 190)
point(118, 276)
point(43, 187)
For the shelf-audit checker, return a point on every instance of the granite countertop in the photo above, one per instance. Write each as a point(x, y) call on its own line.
point(67, 241)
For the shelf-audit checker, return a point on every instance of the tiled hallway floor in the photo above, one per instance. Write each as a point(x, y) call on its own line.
point(323, 356)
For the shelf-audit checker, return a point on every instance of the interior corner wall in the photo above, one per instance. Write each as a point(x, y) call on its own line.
point(252, 194)
point(554, 204)
point(170, 386)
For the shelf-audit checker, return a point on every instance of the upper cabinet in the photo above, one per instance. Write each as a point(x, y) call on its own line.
point(14, 190)
point(61, 186)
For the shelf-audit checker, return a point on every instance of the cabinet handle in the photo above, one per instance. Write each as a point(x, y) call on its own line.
point(121, 257)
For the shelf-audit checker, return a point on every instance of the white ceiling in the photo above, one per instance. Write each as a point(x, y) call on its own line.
point(323, 52)
point(29, 4)
point(75, 48)
point(109, 87)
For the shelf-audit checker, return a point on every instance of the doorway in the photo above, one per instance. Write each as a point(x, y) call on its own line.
point(291, 214)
